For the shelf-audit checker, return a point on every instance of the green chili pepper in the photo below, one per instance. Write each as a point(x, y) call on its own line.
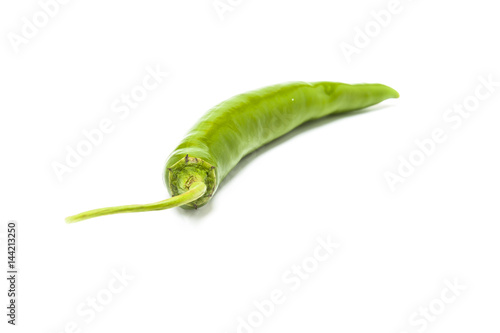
point(238, 126)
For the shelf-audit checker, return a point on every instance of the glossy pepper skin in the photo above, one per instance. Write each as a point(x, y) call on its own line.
point(238, 126)
point(243, 123)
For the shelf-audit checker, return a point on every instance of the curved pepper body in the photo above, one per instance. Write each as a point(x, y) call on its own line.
point(243, 123)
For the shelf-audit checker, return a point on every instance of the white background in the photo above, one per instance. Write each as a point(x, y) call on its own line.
point(200, 271)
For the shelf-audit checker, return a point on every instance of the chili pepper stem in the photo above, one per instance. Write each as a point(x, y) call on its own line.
point(195, 191)
point(189, 170)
